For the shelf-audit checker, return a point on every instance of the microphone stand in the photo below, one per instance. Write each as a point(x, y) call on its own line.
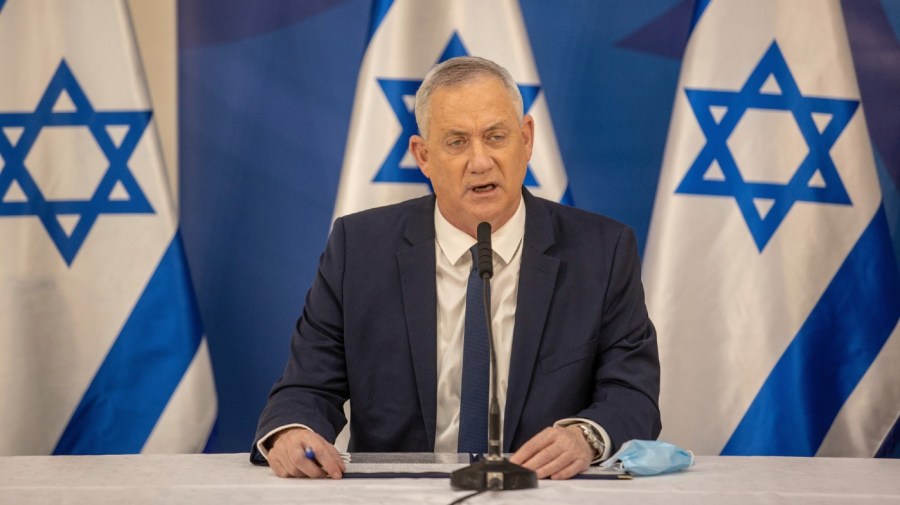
point(494, 471)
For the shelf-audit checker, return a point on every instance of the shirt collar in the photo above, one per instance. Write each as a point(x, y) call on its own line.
point(455, 243)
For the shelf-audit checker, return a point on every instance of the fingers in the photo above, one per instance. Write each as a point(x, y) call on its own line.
point(277, 468)
point(570, 471)
point(288, 456)
point(559, 453)
point(301, 466)
point(533, 447)
point(326, 458)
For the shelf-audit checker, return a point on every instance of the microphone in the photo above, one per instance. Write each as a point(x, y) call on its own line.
point(495, 471)
point(485, 254)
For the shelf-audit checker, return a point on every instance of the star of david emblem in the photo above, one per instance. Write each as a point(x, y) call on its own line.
point(764, 205)
point(400, 93)
point(118, 191)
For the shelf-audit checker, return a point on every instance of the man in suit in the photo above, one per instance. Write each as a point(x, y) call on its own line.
point(384, 321)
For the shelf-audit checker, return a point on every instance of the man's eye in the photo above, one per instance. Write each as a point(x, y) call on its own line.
point(455, 142)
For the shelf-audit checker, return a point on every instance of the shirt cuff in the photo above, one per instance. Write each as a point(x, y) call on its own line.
point(607, 443)
point(261, 444)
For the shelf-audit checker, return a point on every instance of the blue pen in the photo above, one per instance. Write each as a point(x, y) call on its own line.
point(311, 455)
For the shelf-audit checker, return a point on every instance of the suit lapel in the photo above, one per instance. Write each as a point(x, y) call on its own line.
point(418, 285)
point(537, 279)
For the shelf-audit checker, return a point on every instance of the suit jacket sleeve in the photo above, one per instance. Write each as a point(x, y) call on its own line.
point(626, 368)
point(313, 387)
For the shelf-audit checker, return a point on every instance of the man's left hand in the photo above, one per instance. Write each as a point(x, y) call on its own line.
point(558, 453)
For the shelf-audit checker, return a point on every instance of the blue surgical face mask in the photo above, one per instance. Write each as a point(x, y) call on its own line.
point(650, 457)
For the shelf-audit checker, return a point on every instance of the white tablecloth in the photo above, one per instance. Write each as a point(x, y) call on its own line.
point(229, 478)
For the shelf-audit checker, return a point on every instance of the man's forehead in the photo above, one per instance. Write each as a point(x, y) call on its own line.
point(478, 86)
point(465, 108)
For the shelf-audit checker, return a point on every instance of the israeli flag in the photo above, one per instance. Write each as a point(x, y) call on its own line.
point(407, 38)
point(769, 268)
point(101, 347)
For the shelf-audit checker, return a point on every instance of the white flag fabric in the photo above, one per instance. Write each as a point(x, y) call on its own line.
point(101, 347)
point(408, 37)
point(769, 269)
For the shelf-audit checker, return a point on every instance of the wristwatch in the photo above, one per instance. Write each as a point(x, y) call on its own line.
point(593, 438)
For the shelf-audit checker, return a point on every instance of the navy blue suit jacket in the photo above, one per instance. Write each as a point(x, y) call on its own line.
point(583, 345)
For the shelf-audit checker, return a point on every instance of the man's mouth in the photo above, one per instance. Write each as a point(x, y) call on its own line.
point(485, 188)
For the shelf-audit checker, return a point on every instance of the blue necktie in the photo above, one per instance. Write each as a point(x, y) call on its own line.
point(473, 405)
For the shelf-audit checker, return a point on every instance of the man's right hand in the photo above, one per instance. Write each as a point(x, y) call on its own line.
point(287, 456)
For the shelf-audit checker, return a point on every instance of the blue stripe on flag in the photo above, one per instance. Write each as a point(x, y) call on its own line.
point(890, 447)
point(800, 399)
point(212, 438)
point(567, 198)
point(379, 10)
point(143, 367)
point(699, 7)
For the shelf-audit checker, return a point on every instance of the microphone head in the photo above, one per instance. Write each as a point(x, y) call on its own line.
point(485, 254)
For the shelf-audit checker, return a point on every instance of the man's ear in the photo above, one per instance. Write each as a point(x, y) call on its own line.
point(419, 149)
point(528, 133)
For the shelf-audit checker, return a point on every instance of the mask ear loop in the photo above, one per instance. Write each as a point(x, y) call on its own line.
point(614, 463)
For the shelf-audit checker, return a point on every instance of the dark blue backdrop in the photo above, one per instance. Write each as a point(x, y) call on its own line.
point(266, 91)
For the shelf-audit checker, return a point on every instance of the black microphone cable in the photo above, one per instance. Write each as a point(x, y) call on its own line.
point(470, 495)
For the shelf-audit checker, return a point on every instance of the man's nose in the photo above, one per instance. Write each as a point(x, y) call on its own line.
point(480, 160)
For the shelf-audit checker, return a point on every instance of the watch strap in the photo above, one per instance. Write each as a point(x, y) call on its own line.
point(592, 437)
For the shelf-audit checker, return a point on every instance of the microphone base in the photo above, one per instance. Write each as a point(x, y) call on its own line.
point(498, 474)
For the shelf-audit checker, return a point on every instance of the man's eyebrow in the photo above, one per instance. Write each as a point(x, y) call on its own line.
point(455, 133)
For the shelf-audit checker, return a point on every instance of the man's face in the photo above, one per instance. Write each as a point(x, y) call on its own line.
point(476, 153)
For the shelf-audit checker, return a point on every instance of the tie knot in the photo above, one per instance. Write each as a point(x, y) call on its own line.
point(474, 251)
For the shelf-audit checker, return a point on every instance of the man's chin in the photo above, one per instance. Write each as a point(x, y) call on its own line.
point(492, 214)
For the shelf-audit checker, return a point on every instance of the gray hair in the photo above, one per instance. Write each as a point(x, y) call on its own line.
point(457, 71)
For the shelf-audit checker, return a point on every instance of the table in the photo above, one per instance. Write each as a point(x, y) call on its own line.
point(231, 479)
